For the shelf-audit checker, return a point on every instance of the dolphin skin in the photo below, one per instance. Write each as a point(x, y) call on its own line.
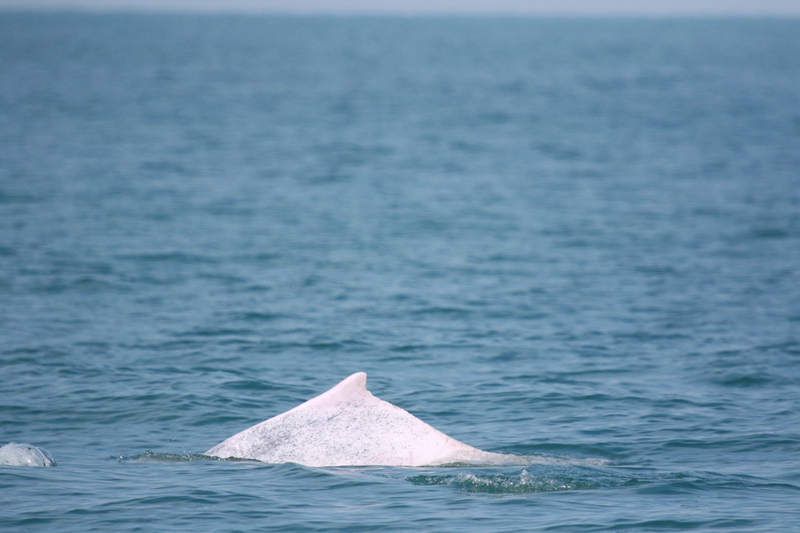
point(20, 454)
point(348, 426)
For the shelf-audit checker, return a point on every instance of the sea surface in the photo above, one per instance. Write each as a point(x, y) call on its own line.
point(574, 239)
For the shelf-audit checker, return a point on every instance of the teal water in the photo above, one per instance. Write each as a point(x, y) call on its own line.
point(572, 239)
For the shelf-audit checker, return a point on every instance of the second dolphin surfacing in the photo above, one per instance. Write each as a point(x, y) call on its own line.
point(348, 426)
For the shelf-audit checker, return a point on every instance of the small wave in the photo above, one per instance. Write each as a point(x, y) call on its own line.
point(522, 459)
point(487, 460)
point(690, 482)
point(522, 483)
point(554, 460)
point(159, 457)
point(747, 381)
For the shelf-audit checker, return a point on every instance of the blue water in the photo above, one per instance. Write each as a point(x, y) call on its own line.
point(572, 239)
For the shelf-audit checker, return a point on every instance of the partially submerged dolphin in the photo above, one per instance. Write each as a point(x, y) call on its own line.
point(348, 426)
point(19, 454)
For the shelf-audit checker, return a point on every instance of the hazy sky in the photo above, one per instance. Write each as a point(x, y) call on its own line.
point(568, 7)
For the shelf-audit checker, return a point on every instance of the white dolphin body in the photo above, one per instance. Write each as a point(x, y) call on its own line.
point(19, 454)
point(348, 426)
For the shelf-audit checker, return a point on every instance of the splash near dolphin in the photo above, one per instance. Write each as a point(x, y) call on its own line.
point(348, 426)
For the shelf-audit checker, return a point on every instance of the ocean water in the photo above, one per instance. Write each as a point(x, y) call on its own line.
point(572, 239)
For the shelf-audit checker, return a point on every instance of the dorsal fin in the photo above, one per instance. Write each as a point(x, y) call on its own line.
point(353, 386)
point(346, 426)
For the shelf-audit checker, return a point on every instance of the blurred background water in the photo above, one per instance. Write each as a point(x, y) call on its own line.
point(577, 239)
